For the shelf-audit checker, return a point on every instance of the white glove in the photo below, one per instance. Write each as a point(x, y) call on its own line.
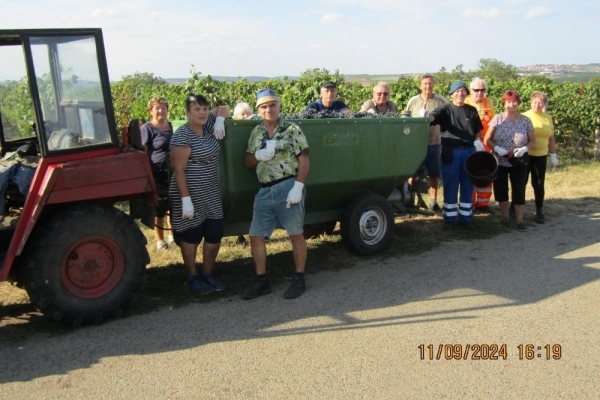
point(264, 154)
point(423, 113)
point(553, 160)
point(478, 145)
point(520, 152)
point(295, 195)
point(501, 151)
point(219, 129)
point(187, 208)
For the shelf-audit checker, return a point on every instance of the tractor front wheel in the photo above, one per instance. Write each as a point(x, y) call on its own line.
point(85, 263)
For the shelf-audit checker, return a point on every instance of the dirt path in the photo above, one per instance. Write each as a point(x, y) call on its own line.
point(356, 333)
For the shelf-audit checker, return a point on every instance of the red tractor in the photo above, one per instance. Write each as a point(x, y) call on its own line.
point(65, 178)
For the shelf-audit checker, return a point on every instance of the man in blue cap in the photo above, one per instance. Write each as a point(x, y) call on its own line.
point(460, 137)
point(279, 151)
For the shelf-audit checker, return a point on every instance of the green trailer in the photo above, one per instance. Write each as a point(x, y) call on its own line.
point(355, 164)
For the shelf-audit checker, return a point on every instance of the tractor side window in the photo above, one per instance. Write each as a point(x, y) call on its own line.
point(16, 107)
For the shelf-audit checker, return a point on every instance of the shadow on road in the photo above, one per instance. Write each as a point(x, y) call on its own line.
point(459, 279)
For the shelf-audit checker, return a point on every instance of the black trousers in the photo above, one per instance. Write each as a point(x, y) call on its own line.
point(518, 182)
point(537, 168)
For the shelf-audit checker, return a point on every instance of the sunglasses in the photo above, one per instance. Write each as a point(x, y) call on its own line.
point(479, 90)
point(382, 94)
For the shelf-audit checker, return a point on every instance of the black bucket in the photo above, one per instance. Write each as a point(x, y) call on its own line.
point(481, 167)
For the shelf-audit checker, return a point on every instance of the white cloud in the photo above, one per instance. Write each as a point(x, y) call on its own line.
point(332, 18)
point(481, 13)
point(537, 12)
point(317, 46)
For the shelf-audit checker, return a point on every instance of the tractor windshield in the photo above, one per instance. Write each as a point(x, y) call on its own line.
point(60, 76)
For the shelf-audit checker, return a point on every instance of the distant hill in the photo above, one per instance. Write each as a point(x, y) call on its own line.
point(578, 72)
point(232, 78)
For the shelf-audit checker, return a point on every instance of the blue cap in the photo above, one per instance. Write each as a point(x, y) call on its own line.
point(266, 96)
point(457, 84)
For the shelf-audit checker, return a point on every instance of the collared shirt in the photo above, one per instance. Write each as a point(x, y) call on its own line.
point(416, 103)
point(290, 143)
point(337, 106)
point(370, 105)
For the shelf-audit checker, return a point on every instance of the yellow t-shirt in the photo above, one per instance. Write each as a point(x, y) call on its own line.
point(543, 130)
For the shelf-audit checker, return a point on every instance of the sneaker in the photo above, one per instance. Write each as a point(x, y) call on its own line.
point(297, 287)
point(161, 245)
point(539, 218)
point(505, 222)
point(170, 240)
point(216, 284)
point(259, 287)
point(521, 228)
point(436, 208)
point(198, 285)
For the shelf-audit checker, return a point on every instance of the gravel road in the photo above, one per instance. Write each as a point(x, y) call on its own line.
point(357, 333)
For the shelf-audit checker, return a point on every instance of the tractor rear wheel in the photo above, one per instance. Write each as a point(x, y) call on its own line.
point(85, 263)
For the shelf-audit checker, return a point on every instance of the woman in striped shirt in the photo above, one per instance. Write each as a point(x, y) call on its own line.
point(197, 211)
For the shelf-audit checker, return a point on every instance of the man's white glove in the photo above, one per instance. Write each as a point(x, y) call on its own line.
point(264, 154)
point(187, 208)
point(520, 152)
point(501, 151)
point(219, 129)
point(423, 113)
point(478, 145)
point(295, 195)
point(553, 160)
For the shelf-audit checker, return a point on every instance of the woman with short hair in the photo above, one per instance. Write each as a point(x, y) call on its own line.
point(543, 130)
point(197, 210)
point(510, 136)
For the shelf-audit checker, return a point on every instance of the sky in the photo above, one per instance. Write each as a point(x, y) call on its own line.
point(285, 38)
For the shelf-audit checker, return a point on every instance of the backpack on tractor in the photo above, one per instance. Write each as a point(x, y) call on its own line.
point(63, 234)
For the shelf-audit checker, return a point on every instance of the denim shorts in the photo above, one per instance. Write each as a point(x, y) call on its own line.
point(270, 208)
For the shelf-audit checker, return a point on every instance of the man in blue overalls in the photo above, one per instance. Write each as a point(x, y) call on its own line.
point(460, 132)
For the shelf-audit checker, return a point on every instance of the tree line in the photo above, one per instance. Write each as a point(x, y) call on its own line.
point(574, 106)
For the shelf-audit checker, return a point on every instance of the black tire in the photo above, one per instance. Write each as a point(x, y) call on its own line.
point(313, 231)
point(85, 263)
point(367, 226)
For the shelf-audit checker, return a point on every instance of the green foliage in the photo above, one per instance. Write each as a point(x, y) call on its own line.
point(402, 90)
point(573, 105)
point(494, 70)
point(16, 107)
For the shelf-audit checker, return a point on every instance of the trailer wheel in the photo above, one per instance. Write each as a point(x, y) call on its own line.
point(85, 263)
point(367, 226)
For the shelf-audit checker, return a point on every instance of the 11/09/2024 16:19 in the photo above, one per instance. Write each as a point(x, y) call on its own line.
point(492, 351)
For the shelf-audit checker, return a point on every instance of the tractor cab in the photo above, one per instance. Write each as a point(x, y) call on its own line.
point(63, 174)
point(55, 92)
